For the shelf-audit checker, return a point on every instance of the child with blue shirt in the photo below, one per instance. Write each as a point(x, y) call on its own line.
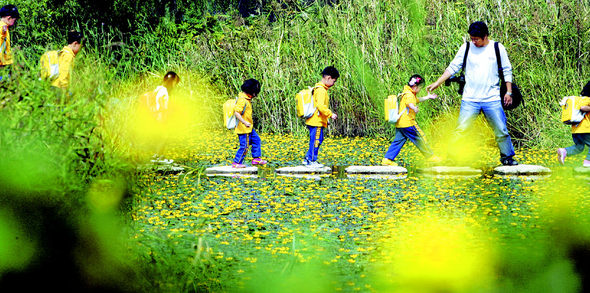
point(406, 127)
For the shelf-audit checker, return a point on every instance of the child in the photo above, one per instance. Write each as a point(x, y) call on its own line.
point(319, 121)
point(245, 130)
point(580, 132)
point(158, 106)
point(406, 127)
point(66, 59)
point(8, 17)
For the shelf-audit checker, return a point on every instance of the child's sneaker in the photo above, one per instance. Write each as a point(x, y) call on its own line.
point(388, 162)
point(237, 165)
point(258, 161)
point(586, 163)
point(561, 154)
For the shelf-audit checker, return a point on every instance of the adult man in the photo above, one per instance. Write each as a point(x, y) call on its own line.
point(482, 89)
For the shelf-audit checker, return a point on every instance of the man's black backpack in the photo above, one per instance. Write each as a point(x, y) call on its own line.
point(516, 94)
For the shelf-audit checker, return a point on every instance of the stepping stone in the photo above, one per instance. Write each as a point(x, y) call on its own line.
point(230, 170)
point(165, 169)
point(582, 170)
point(398, 176)
point(315, 177)
point(386, 170)
point(522, 170)
point(304, 170)
point(445, 170)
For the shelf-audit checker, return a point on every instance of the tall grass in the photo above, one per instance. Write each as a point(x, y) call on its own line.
point(377, 45)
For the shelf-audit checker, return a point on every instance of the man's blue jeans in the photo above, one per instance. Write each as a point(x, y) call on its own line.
point(495, 116)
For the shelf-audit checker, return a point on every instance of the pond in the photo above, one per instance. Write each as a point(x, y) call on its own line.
point(416, 233)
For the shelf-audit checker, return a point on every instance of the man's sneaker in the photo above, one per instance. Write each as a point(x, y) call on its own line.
point(561, 154)
point(237, 165)
point(434, 159)
point(388, 162)
point(314, 165)
point(586, 163)
point(258, 161)
point(509, 162)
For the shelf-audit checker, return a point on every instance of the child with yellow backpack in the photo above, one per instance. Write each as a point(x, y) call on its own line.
point(245, 125)
point(406, 127)
point(56, 66)
point(8, 17)
point(581, 129)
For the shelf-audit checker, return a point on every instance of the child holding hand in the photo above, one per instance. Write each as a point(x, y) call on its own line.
point(406, 127)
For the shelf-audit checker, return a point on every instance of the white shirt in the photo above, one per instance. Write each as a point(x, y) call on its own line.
point(481, 72)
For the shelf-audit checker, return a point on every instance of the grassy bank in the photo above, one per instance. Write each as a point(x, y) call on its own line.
point(376, 45)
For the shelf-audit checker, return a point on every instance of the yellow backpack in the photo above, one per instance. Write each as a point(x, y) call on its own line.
point(305, 105)
point(570, 110)
point(392, 112)
point(49, 64)
point(229, 118)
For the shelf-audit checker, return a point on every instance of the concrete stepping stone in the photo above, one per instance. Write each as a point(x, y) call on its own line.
point(383, 170)
point(303, 170)
point(230, 170)
point(520, 170)
point(165, 169)
point(316, 177)
point(447, 170)
point(582, 171)
point(398, 176)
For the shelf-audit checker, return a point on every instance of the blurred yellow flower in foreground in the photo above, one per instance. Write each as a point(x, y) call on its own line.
point(434, 253)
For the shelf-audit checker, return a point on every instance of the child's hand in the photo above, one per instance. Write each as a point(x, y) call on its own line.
point(431, 96)
point(334, 116)
point(248, 124)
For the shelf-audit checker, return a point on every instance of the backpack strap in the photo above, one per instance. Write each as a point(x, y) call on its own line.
point(400, 96)
point(499, 62)
point(243, 111)
point(465, 57)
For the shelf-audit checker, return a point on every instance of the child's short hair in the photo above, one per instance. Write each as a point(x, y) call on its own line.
point(586, 90)
point(478, 29)
point(170, 79)
point(251, 87)
point(416, 79)
point(74, 36)
point(331, 71)
point(9, 10)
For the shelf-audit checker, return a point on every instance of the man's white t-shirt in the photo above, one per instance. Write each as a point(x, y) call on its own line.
point(481, 72)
